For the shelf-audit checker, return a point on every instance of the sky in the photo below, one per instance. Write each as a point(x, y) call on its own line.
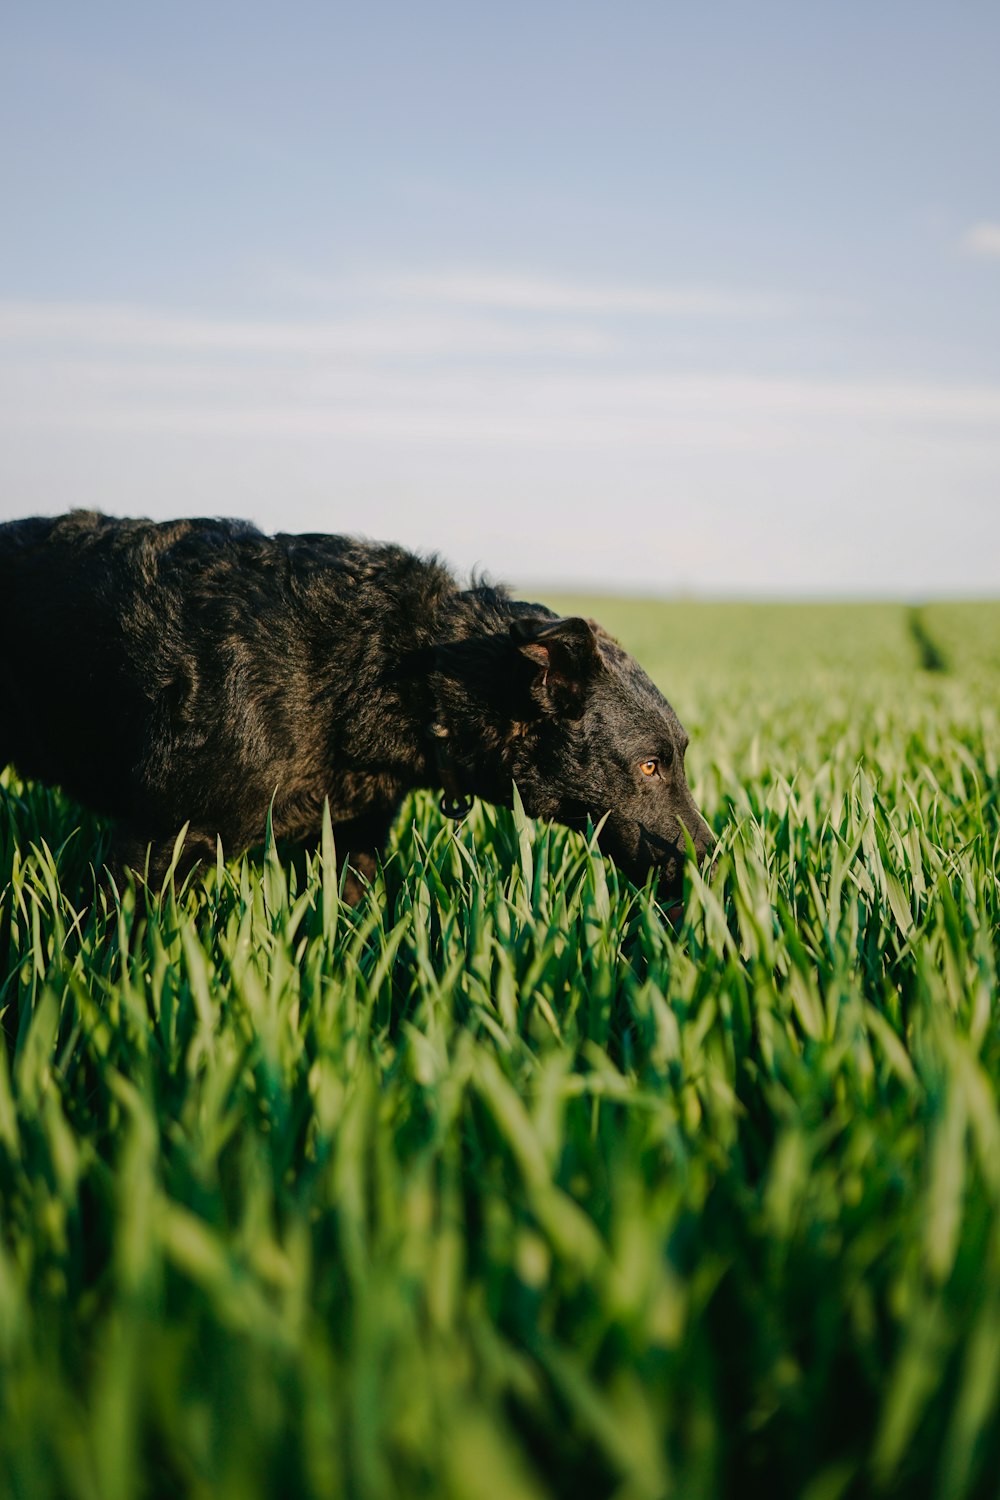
point(675, 298)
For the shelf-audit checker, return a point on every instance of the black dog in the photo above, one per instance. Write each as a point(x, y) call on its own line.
point(192, 671)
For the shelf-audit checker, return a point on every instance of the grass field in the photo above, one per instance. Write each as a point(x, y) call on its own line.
point(498, 1186)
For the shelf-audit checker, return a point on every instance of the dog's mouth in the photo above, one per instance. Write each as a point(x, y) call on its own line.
point(650, 854)
point(639, 852)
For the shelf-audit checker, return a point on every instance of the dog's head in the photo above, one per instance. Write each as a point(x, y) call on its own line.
point(604, 740)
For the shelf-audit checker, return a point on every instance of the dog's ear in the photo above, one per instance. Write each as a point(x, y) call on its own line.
point(566, 655)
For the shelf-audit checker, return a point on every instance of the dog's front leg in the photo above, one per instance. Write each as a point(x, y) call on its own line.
point(149, 857)
point(359, 843)
point(361, 872)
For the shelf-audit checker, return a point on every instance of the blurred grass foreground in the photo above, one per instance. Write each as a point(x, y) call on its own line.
point(499, 1186)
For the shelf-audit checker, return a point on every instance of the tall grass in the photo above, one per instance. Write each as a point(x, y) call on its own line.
point(500, 1185)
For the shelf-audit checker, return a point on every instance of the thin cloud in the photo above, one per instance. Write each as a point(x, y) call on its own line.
point(139, 389)
point(983, 240)
point(489, 290)
point(124, 326)
point(539, 294)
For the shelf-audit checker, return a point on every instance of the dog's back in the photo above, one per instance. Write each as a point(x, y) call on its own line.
point(200, 651)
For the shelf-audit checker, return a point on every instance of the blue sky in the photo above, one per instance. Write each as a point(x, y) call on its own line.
point(669, 297)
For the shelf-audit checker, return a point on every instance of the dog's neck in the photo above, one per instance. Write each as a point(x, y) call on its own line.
point(477, 700)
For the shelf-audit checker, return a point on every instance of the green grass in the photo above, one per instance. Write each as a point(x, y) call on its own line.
point(498, 1186)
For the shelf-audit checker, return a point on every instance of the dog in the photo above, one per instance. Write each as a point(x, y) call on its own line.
point(199, 672)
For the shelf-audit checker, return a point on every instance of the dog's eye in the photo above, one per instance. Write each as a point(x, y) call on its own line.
point(649, 767)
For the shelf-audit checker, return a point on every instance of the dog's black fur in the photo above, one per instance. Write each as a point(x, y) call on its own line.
point(190, 672)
